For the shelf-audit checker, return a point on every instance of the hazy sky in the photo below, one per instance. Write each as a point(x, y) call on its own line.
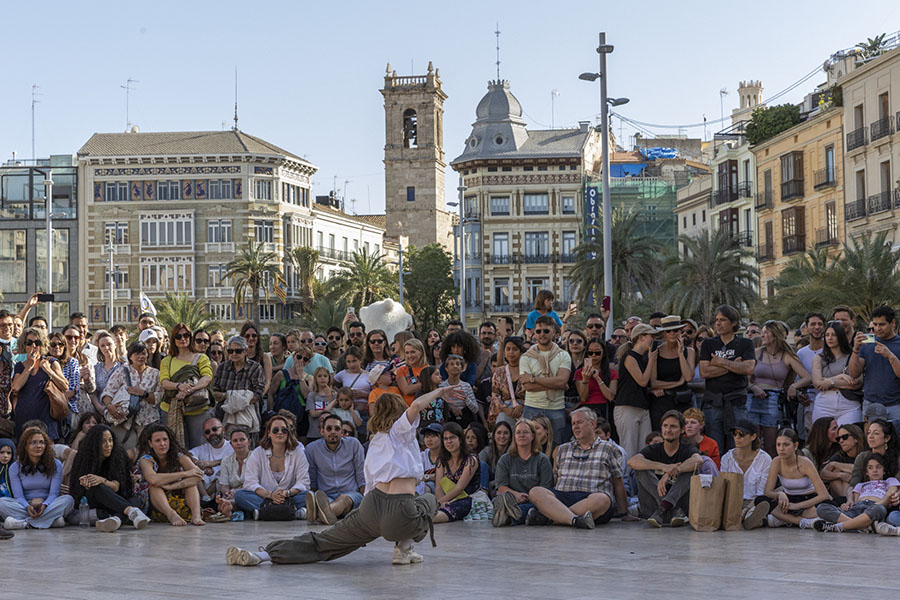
point(309, 72)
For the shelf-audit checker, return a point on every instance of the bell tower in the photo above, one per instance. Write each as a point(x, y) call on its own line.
point(414, 158)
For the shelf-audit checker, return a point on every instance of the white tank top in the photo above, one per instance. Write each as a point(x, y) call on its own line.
point(394, 454)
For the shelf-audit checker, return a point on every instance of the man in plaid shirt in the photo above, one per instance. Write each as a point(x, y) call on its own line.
point(588, 476)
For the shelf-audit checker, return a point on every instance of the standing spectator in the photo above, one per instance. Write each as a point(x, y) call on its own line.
point(507, 393)
point(595, 380)
point(376, 350)
point(353, 376)
point(334, 337)
point(80, 321)
point(838, 394)
point(674, 369)
point(322, 394)
point(72, 336)
point(505, 327)
point(120, 334)
point(202, 341)
point(144, 381)
point(71, 369)
point(108, 361)
point(307, 340)
point(878, 363)
point(753, 464)
point(250, 332)
point(575, 343)
point(151, 340)
point(34, 480)
point(356, 337)
point(725, 363)
point(543, 307)
point(519, 470)
point(336, 474)
point(815, 327)
point(663, 474)
point(237, 373)
point(29, 380)
point(182, 374)
point(636, 364)
point(408, 374)
point(847, 317)
point(546, 369)
point(463, 344)
point(145, 321)
point(616, 340)
point(277, 350)
point(588, 480)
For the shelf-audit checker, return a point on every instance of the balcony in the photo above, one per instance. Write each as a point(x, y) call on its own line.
point(855, 210)
point(219, 247)
point(218, 292)
point(118, 294)
point(745, 189)
point(743, 238)
point(766, 251)
point(497, 259)
point(791, 189)
point(856, 139)
point(825, 178)
point(881, 128)
point(793, 243)
point(333, 254)
point(897, 198)
point(501, 307)
point(764, 200)
point(535, 259)
point(567, 258)
point(726, 194)
point(826, 237)
point(879, 203)
point(522, 307)
point(269, 247)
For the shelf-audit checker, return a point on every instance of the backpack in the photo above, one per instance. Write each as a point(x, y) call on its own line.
point(288, 397)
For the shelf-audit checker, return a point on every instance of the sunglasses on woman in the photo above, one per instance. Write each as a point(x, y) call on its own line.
point(278, 430)
point(594, 353)
point(182, 336)
point(843, 438)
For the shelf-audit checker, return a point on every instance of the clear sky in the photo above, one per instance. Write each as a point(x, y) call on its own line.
point(309, 72)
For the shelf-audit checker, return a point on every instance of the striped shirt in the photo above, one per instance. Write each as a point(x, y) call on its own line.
point(591, 470)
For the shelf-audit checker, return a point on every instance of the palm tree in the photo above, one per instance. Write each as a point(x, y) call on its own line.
point(323, 315)
point(801, 286)
point(253, 271)
point(872, 46)
point(365, 280)
point(634, 258)
point(305, 260)
point(716, 270)
point(181, 308)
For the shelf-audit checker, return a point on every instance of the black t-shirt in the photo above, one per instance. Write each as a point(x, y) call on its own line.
point(840, 457)
point(739, 347)
point(657, 453)
point(629, 391)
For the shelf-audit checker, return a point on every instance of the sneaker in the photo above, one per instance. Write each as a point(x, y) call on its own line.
point(885, 528)
point(323, 506)
point(810, 523)
point(534, 517)
point(634, 510)
point(659, 518)
point(772, 521)
point(13, 523)
point(109, 524)
point(237, 515)
point(756, 516)
point(241, 558)
point(827, 527)
point(60, 522)
point(256, 514)
point(300, 514)
point(506, 509)
point(678, 518)
point(312, 515)
point(139, 519)
point(406, 557)
point(585, 521)
point(6, 534)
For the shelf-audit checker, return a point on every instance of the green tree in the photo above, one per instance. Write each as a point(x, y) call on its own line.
point(635, 260)
point(305, 260)
point(801, 287)
point(365, 280)
point(326, 313)
point(769, 121)
point(181, 308)
point(429, 288)
point(253, 271)
point(715, 271)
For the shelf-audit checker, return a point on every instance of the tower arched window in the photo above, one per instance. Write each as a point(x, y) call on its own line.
point(410, 129)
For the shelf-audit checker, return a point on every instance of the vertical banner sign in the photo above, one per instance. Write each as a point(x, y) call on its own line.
point(591, 222)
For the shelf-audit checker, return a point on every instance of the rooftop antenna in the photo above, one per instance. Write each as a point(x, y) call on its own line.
point(235, 100)
point(722, 93)
point(34, 100)
point(553, 95)
point(127, 87)
point(497, 33)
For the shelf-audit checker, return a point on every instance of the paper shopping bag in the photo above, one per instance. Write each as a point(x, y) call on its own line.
point(705, 508)
point(734, 501)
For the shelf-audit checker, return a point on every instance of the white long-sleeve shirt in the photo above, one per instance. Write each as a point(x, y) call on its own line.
point(258, 474)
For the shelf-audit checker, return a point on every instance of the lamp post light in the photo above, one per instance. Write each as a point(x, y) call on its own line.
point(462, 251)
point(48, 214)
point(603, 49)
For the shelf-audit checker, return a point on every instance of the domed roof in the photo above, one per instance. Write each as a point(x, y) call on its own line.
point(498, 104)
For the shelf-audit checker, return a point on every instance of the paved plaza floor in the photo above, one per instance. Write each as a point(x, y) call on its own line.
point(472, 560)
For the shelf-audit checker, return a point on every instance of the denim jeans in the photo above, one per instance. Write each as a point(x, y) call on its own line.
point(557, 420)
point(715, 424)
point(249, 501)
point(353, 495)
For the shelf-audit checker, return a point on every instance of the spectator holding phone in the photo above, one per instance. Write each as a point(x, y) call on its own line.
point(875, 358)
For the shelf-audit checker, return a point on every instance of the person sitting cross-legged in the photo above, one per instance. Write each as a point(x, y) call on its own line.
point(522, 467)
point(336, 473)
point(588, 476)
point(663, 474)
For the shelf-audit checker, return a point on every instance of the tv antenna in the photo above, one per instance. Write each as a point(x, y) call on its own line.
point(497, 33)
point(128, 87)
point(34, 94)
point(235, 100)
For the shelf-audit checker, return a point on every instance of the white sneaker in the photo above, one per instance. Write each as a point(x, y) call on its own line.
point(301, 514)
point(12, 523)
point(809, 523)
point(58, 522)
point(138, 518)
point(885, 528)
point(241, 558)
point(405, 557)
point(108, 525)
point(771, 521)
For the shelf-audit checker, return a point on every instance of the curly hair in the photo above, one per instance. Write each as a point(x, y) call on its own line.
point(471, 348)
point(171, 457)
point(892, 453)
point(46, 464)
point(90, 461)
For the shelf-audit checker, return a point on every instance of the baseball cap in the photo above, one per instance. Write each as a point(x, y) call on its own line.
point(148, 334)
point(745, 425)
point(875, 411)
point(435, 428)
point(641, 329)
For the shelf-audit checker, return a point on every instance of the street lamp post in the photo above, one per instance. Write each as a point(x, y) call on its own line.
point(462, 255)
point(48, 214)
point(111, 250)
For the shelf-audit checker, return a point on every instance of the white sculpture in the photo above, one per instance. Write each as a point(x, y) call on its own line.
point(386, 315)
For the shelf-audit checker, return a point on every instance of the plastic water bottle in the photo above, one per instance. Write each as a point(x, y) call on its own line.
point(84, 513)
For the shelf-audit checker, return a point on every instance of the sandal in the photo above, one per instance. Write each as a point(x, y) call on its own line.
point(216, 518)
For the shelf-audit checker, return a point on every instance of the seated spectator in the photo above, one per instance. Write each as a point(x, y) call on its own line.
point(7, 455)
point(604, 432)
point(101, 474)
point(663, 474)
point(694, 421)
point(430, 380)
point(136, 378)
point(466, 346)
point(507, 396)
point(747, 459)
point(501, 437)
point(348, 429)
point(468, 410)
point(321, 395)
point(383, 381)
point(277, 470)
point(838, 468)
point(868, 505)
point(231, 470)
point(476, 442)
point(343, 408)
point(431, 437)
point(34, 479)
point(336, 474)
point(457, 475)
point(800, 489)
point(29, 380)
point(294, 374)
point(544, 430)
point(588, 480)
point(654, 437)
point(209, 455)
point(520, 469)
point(822, 441)
point(882, 439)
point(172, 478)
point(354, 376)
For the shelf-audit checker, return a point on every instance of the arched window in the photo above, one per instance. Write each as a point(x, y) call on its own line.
point(410, 129)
